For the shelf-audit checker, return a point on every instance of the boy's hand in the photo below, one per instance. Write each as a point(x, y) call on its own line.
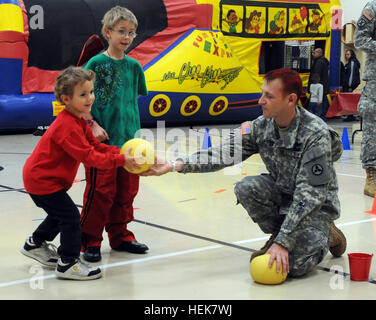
point(99, 132)
point(132, 163)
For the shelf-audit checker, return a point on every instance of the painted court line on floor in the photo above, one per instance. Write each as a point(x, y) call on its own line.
point(179, 253)
point(168, 255)
point(350, 175)
point(120, 263)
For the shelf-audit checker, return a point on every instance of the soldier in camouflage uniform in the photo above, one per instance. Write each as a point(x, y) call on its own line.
point(365, 39)
point(297, 201)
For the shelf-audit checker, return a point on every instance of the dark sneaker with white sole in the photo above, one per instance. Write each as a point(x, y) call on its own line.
point(92, 254)
point(77, 270)
point(45, 253)
point(132, 246)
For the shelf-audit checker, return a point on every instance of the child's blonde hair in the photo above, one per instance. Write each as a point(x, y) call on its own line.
point(116, 14)
point(69, 78)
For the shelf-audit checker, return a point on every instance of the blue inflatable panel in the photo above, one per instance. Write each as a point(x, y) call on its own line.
point(335, 55)
point(26, 111)
point(10, 2)
point(11, 83)
point(237, 112)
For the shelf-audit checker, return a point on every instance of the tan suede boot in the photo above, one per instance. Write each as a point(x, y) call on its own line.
point(370, 187)
point(337, 241)
point(265, 248)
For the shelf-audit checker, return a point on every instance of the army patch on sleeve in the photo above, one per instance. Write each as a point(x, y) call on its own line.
point(362, 22)
point(317, 169)
point(316, 166)
point(246, 127)
point(369, 15)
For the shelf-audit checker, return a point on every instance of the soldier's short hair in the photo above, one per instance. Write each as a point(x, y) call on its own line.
point(291, 81)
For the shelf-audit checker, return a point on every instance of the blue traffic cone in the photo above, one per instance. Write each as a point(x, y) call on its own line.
point(206, 143)
point(345, 140)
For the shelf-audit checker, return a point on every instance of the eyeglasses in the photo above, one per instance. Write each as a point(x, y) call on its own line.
point(125, 34)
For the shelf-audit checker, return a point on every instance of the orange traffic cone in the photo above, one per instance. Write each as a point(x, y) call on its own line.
point(373, 210)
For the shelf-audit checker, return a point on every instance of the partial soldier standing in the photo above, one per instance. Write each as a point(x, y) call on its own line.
point(297, 201)
point(365, 39)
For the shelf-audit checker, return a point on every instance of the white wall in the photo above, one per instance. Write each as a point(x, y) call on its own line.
point(352, 9)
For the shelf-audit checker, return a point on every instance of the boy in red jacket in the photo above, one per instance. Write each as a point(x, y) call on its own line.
point(50, 170)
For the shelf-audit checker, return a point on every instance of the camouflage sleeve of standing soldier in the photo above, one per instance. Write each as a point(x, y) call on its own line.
point(364, 36)
point(312, 182)
point(234, 148)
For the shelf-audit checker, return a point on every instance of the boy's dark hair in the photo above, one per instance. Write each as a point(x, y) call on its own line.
point(315, 78)
point(69, 78)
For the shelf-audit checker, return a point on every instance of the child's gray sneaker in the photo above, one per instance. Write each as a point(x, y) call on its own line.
point(45, 253)
point(77, 270)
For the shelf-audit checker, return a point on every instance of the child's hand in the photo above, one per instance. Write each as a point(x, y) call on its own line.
point(99, 132)
point(132, 163)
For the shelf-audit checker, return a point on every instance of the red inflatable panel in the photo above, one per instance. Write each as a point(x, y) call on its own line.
point(182, 16)
point(25, 19)
point(13, 46)
point(38, 80)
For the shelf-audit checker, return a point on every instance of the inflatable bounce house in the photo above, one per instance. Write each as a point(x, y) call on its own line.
point(204, 60)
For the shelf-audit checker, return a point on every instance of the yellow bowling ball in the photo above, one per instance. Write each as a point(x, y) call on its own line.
point(261, 273)
point(140, 147)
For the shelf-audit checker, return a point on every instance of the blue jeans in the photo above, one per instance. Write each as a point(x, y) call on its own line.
point(316, 108)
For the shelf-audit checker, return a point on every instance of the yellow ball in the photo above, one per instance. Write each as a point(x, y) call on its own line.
point(140, 147)
point(261, 273)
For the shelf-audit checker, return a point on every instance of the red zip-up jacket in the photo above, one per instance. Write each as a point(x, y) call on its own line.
point(55, 160)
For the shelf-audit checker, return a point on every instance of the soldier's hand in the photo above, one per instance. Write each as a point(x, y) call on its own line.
point(160, 167)
point(281, 255)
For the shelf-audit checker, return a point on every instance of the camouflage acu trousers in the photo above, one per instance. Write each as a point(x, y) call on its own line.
point(367, 110)
point(267, 207)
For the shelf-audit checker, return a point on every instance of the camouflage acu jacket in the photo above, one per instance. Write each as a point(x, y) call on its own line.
point(365, 39)
point(300, 162)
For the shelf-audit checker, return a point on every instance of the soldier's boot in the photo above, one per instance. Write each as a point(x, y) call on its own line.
point(265, 248)
point(337, 241)
point(370, 187)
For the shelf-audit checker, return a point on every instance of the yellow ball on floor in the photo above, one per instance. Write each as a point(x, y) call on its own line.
point(261, 273)
point(140, 147)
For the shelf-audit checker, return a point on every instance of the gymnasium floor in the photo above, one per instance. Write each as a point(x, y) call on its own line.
point(200, 241)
